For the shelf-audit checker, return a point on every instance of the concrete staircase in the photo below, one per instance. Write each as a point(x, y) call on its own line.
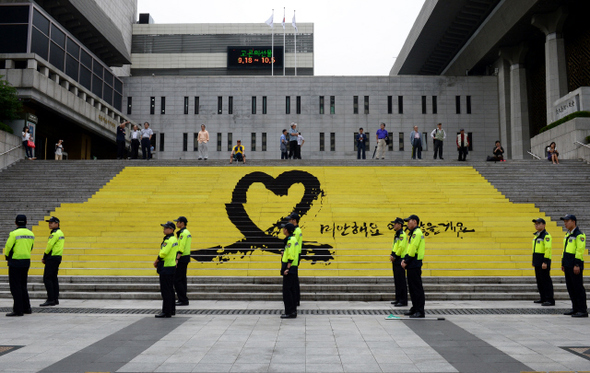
point(49, 184)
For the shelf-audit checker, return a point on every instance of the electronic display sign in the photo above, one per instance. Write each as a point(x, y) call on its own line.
point(254, 57)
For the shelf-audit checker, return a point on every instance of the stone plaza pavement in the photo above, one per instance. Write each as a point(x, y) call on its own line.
point(215, 336)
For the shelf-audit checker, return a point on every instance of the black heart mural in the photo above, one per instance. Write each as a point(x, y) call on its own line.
point(268, 240)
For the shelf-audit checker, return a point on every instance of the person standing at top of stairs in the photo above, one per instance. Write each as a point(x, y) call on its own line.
point(183, 258)
point(542, 262)
point(52, 260)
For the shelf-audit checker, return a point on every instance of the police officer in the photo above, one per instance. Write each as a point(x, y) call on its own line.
point(294, 219)
point(542, 243)
point(572, 264)
point(166, 266)
point(52, 260)
point(289, 263)
point(184, 257)
point(18, 254)
point(412, 263)
point(398, 252)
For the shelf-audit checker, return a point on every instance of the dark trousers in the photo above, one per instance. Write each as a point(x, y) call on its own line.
point(462, 153)
point(575, 288)
point(167, 291)
point(285, 154)
point(289, 293)
point(28, 151)
point(17, 278)
point(50, 279)
point(417, 149)
point(416, 289)
point(180, 282)
point(399, 280)
point(146, 148)
point(297, 152)
point(121, 149)
point(544, 283)
point(360, 152)
point(438, 147)
point(134, 148)
point(292, 149)
point(238, 157)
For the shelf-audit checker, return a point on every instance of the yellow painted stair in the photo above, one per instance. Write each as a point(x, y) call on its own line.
point(471, 229)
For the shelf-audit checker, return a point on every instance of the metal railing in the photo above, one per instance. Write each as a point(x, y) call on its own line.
point(8, 151)
point(579, 143)
point(534, 155)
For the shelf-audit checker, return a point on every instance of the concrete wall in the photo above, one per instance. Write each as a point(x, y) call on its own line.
point(482, 122)
point(565, 136)
point(7, 142)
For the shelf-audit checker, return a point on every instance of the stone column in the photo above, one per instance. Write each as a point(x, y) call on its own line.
point(504, 106)
point(519, 106)
point(555, 63)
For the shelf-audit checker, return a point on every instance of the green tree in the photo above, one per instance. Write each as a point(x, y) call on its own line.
point(10, 105)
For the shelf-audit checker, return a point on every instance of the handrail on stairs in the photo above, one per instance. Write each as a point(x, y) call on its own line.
point(534, 155)
point(579, 143)
point(8, 151)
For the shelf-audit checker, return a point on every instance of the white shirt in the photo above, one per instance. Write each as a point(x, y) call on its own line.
point(146, 133)
point(26, 136)
point(135, 135)
point(300, 139)
point(58, 149)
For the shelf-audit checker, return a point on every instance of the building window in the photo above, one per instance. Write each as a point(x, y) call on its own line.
point(229, 141)
point(129, 102)
point(253, 142)
point(196, 104)
point(253, 104)
point(321, 104)
point(389, 104)
point(230, 103)
point(355, 104)
point(298, 104)
point(332, 141)
point(161, 142)
point(163, 105)
point(468, 105)
point(218, 141)
point(288, 105)
point(434, 105)
point(401, 141)
point(458, 104)
point(425, 142)
point(186, 105)
point(152, 105)
point(366, 104)
point(423, 104)
point(195, 141)
point(263, 141)
point(400, 104)
point(184, 142)
point(470, 137)
point(390, 138)
point(332, 104)
point(322, 148)
point(219, 105)
point(264, 103)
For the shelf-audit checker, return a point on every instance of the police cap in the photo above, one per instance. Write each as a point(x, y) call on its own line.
point(53, 219)
point(398, 221)
point(294, 216)
point(569, 217)
point(289, 227)
point(413, 217)
point(181, 219)
point(169, 224)
point(21, 219)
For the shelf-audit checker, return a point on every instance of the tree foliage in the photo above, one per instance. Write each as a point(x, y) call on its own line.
point(10, 104)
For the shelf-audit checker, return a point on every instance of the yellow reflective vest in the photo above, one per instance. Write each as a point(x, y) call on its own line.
point(184, 242)
point(574, 245)
point(415, 249)
point(399, 247)
point(55, 244)
point(291, 253)
point(19, 246)
point(542, 243)
point(167, 255)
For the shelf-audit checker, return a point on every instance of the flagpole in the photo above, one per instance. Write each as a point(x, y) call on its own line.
point(295, 46)
point(284, 46)
point(272, 47)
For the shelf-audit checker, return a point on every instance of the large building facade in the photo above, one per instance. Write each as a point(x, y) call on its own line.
point(500, 69)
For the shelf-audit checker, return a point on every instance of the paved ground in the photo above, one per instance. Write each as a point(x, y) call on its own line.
point(110, 336)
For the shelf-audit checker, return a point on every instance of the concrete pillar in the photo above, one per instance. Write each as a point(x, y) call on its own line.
point(32, 64)
point(65, 84)
point(45, 71)
point(519, 106)
point(555, 63)
point(504, 106)
point(9, 64)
